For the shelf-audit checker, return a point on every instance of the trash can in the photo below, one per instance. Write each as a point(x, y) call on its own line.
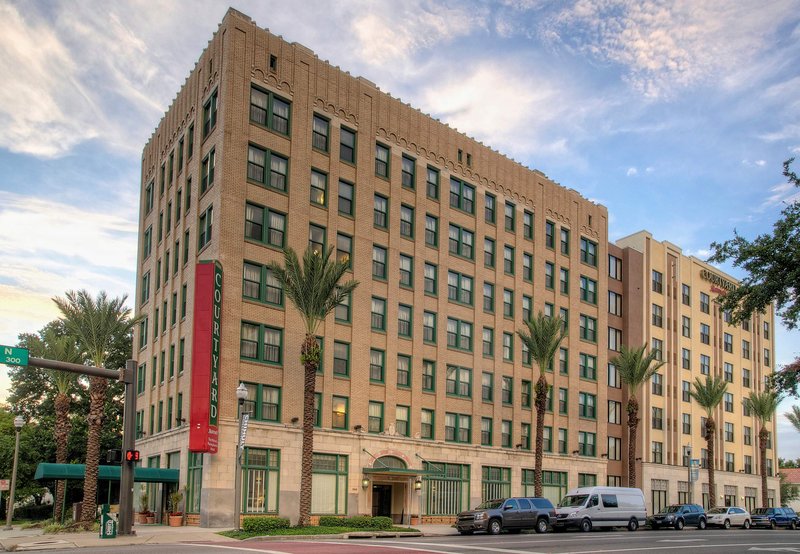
point(108, 523)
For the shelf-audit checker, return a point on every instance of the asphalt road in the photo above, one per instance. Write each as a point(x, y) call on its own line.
point(650, 542)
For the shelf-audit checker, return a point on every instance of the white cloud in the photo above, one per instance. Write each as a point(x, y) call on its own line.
point(760, 163)
point(780, 194)
point(632, 172)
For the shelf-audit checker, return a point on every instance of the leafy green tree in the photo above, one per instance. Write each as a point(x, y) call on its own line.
point(542, 337)
point(34, 443)
point(762, 405)
point(708, 394)
point(635, 368)
point(789, 491)
point(794, 417)
point(314, 287)
point(95, 324)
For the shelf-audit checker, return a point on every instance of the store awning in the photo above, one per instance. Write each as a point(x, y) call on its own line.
point(403, 471)
point(106, 473)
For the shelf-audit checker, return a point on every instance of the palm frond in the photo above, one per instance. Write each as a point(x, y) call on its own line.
point(635, 367)
point(542, 338)
point(762, 404)
point(709, 393)
point(794, 417)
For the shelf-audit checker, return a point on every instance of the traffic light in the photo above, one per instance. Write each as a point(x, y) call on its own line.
point(131, 455)
point(114, 456)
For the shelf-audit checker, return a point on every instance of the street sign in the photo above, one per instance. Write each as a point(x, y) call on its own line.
point(694, 473)
point(5, 484)
point(10, 355)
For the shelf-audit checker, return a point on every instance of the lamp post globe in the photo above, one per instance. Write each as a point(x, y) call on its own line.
point(241, 393)
point(19, 421)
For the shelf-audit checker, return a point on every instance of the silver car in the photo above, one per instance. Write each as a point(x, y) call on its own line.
point(727, 517)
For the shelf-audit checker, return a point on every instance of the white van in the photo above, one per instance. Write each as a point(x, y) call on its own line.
point(590, 507)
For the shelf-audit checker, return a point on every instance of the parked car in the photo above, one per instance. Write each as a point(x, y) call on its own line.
point(679, 515)
point(774, 518)
point(590, 507)
point(730, 516)
point(512, 514)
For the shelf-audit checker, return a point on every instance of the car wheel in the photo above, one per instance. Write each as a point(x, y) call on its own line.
point(541, 525)
point(495, 527)
point(679, 525)
point(465, 532)
point(586, 525)
point(633, 524)
point(773, 524)
point(727, 524)
point(702, 524)
point(746, 524)
point(793, 525)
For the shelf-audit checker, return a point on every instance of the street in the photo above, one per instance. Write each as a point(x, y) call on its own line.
point(729, 542)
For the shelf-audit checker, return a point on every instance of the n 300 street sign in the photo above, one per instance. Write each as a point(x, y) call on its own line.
point(13, 356)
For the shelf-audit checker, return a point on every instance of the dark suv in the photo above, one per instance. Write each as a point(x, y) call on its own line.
point(513, 514)
point(774, 518)
point(679, 515)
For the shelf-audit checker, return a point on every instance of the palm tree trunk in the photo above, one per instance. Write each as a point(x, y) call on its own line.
point(711, 428)
point(541, 405)
point(633, 426)
point(97, 396)
point(62, 402)
point(309, 355)
point(762, 445)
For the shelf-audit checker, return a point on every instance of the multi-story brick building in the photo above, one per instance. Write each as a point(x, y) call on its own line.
point(425, 392)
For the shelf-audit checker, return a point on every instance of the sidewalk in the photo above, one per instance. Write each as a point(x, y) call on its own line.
point(33, 539)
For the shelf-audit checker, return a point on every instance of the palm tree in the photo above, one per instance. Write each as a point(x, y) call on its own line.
point(94, 324)
point(314, 289)
point(709, 394)
point(762, 405)
point(794, 417)
point(542, 338)
point(634, 368)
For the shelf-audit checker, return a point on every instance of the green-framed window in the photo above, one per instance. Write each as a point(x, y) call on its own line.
point(527, 307)
point(342, 311)
point(382, 160)
point(563, 361)
point(461, 242)
point(430, 278)
point(508, 259)
point(319, 188)
point(527, 266)
point(563, 401)
point(488, 297)
point(487, 338)
point(317, 409)
point(459, 288)
point(507, 390)
point(563, 441)
point(329, 484)
point(527, 224)
point(160, 422)
point(490, 208)
point(340, 412)
point(428, 376)
point(462, 195)
point(375, 417)
point(459, 381)
point(379, 256)
point(269, 110)
point(152, 416)
point(162, 367)
point(210, 113)
point(139, 424)
point(549, 234)
point(171, 361)
point(431, 230)
point(459, 334)
point(317, 238)
point(260, 284)
point(549, 275)
point(587, 405)
point(179, 420)
point(347, 193)
point(185, 259)
point(194, 482)
point(508, 346)
point(403, 371)
point(508, 303)
point(510, 216)
point(147, 242)
point(427, 424)
point(263, 402)
point(588, 366)
point(267, 168)
point(347, 145)
point(588, 252)
point(565, 241)
point(261, 343)
point(207, 171)
point(378, 314)
point(586, 443)
point(527, 359)
point(547, 439)
point(264, 225)
point(341, 358)
point(401, 420)
point(408, 172)
point(488, 252)
point(588, 480)
point(432, 183)
point(344, 249)
point(429, 327)
point(525, 436)
point(320, 133)
point(457, 428)
point(445, 493)
point(406, 271)
point(506, 438)
point(169, 414)
point(260, 480)
point(381, 211)
point(588, 290)
point(526, 393)
point(141, 378)
point(377, 365)
point(588, 328)
point(563, 280)
point(554, 484)
point(487, 386)
point(495, 482)
point(148, 197)
point(146, 287)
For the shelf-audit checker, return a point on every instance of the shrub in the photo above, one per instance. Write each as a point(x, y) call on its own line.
point(331, 521)
point(34, 512)
point(358, 522)
point(264, 524)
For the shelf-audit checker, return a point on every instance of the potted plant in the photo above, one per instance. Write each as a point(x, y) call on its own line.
point(144, 511)
point(175, 516)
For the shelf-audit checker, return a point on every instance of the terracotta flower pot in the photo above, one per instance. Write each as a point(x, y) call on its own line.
point(150, 519)
point(175, 520)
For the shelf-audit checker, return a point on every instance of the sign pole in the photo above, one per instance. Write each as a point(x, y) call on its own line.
point(128, 443)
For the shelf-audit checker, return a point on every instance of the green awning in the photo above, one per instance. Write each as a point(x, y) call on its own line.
point(106, 473)
point(402, 471)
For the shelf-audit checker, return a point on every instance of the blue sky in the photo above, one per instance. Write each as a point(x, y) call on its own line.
point(676, 115)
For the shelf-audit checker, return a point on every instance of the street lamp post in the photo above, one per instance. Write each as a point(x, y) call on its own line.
point(241, 396)
point(689, 478)
point(18, 423)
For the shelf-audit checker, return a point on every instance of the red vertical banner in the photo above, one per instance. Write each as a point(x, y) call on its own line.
point(203, 418)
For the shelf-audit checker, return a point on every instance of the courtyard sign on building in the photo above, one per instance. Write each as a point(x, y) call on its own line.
point(725, 284)
point(204, 415)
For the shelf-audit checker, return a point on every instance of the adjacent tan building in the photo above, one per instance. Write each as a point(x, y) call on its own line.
point(425, 393)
